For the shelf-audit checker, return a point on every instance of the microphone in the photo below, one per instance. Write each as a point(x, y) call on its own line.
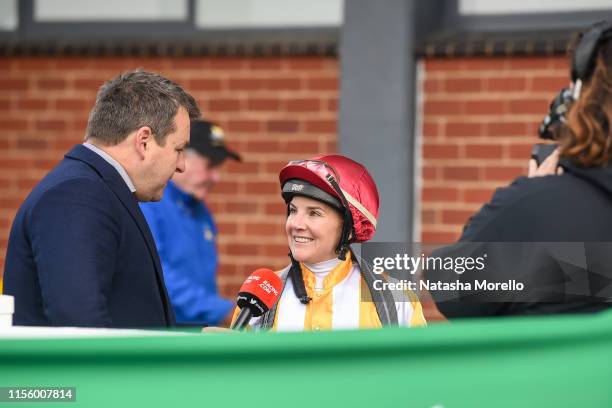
point(259, 292)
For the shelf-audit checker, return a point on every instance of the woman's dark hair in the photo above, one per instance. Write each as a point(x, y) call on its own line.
point(586, 138)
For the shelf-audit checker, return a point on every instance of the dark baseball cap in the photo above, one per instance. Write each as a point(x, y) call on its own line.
point(206, 138)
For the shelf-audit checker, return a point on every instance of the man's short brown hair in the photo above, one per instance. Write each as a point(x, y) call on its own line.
point(135, 99)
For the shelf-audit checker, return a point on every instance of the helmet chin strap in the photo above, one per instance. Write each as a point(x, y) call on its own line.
point(295, 273)
point(347, 224)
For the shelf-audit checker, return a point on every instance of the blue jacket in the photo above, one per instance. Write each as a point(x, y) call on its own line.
point(185, 234)
point(80, 252)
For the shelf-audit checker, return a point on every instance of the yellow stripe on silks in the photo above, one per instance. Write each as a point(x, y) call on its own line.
point(344, 302)
point(417, 319)
point(320, 311)
point(368, 316)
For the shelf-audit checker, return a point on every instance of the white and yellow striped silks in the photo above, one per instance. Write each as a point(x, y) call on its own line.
point(337, 304)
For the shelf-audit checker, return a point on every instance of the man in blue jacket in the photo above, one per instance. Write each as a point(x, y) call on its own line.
point(185, 232)
point(80, 252)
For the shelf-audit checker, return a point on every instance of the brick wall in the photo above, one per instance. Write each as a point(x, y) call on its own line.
point(480, 119)
point(273, 110)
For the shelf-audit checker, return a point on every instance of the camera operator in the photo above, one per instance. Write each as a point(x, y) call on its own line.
point(566, 199)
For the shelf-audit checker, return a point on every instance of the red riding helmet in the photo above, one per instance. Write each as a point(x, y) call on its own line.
point(341, 183)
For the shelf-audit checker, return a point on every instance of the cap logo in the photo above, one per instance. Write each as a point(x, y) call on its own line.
point(216, 136)
point(297, 187)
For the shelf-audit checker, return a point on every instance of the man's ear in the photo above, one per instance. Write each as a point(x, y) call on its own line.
point(143, 139)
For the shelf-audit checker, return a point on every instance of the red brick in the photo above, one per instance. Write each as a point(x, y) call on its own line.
point(431, 172)
point(529, 63)
point(477, 195)
point(34, 63)
point(332, 105)
point(227, 187)
point(440, 194)
point(432, 85)
point(260, 104)
point(461, 173)
point(242, 208)
point(520, 151)
point(263, 146)
point(227, 228)
point(443, 108)
point(51, 125)
point(46, 164)
point(561, 63)
point(530, 106)
point(116, 64)
point(504, 173)
point(259, 187)
point(13, 124)
point(224, 105)
point(27, 184)
point(234, 64)
point(265, 229)
point(248, 84)
point(460, 129)
point(276, 250)
point(428, 217)
point(13, 85)
point(464, 85)
point(88, 84)
point(482, 151)
point(434, 237)
point(204, 85)
point(456, 216)
point(485, 64)
point(550, 84)
point(188, 63)
point(282, 84)
point(303, 105)
point(244, 249)
point(276, 208)
point(306, 63)
point(244, 126)
point(282, 126)
point(506, 84)
point(243, 167)
point(32, 104)
point(274, 166)
point(483, 107)
point(440, 151)
point(31, 144)
point(430, 129)
point(506, 129)
point(442, 64)
point(8, 203)
point(273, 64)
point(77, 105)
point(51, 84)
point(306, 148)
point(323, 84)
point(320, 126)
point(13, 163)
point(330, 147)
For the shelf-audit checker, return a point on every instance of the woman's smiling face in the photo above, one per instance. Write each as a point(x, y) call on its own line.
point(313, 230)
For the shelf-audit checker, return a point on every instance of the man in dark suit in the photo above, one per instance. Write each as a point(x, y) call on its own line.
point(80, 252)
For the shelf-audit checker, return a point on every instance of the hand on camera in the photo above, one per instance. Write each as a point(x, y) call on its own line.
point(549, 167)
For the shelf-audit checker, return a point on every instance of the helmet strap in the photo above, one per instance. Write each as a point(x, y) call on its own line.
point(295, 273)
point(347, 225)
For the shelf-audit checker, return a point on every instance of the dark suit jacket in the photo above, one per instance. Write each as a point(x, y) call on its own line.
point(80, 252)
